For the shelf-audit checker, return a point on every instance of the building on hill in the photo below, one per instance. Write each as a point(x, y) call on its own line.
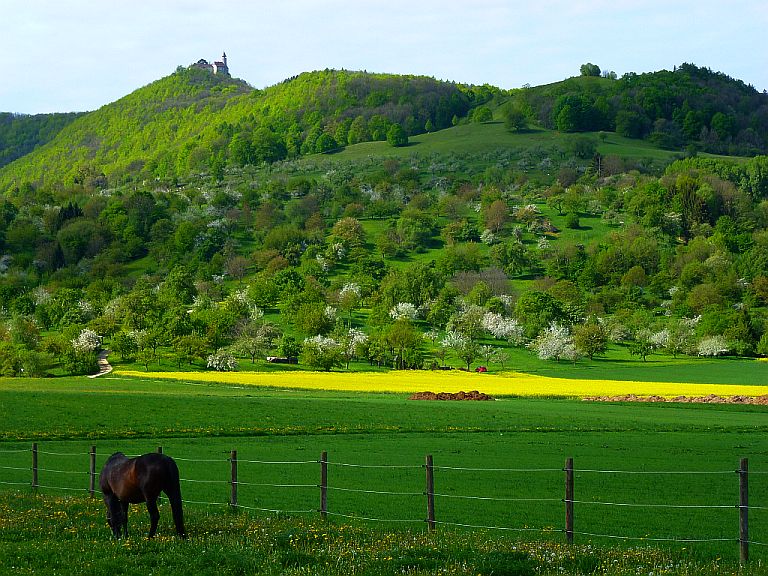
point(217, 67)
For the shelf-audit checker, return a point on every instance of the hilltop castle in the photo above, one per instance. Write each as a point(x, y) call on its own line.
point(218, 67)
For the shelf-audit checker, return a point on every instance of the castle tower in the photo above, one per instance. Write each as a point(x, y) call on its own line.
point(220, 67)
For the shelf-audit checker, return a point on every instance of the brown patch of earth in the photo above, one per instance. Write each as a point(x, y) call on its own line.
point(710, 399)
point(473, 395)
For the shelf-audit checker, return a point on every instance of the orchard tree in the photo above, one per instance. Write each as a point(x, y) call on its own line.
point(322, 352)
point(464, 348)
point(396, 136)
point(590, 339)
point(404, 342)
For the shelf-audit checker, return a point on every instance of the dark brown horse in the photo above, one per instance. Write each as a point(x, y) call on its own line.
point(125, 481)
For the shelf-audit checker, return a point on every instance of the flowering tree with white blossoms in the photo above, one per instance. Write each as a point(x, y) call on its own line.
point(465, 348)
point(87, 341)
point(503, 328)
point(404, 310)
point(713, 346)
point(555, 342)
point(222, 361)
point(80, 358)
point(349, 298)
point(322, 352)
point(351, 342)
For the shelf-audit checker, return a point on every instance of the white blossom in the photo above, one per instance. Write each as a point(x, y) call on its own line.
point(40, 296)
point(350, 288)
point(453, 339)
point(222, 361)
point(712, 346)
point(354, 339)
point(403, 310)
point(87, 341)
point(555, 342)
point(330, 313)
point(503, 328)
point(488, 237)
point(321, 343)
point(660, 339)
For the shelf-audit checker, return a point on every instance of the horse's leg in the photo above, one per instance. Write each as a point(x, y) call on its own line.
point(154, 515)
point(174, 497)
point(124, 509)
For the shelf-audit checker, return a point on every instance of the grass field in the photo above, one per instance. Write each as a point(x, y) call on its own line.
point(517, 447)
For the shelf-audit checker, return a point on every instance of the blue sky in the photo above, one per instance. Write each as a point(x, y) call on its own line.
point(72, 55)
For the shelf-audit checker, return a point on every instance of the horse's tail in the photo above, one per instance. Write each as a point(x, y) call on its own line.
point(173, 491)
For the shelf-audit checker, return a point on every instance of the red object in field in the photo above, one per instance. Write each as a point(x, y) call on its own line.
point(481, 369)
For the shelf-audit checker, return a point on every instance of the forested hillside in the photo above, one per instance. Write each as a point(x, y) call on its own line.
point(22, 133)
point(199, 226)
point(689, 108)
point(193, 121)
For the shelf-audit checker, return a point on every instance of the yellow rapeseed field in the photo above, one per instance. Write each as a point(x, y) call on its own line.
point(508, 383)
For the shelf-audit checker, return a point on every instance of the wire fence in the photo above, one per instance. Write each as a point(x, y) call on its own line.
point(242, 480)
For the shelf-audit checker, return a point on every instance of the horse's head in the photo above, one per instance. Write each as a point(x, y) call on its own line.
point(115, 517)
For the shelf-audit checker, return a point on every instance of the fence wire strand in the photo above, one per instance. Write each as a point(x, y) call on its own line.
point(489, 498)
point(650, 539)
point(390, 466)
point(629, 505)
point(660, 472)
point(382, 492)
point(258, 484)
point(480, 527)
point(274, 511)
point(268, 462)
point(511, 470)
point(80, 472)
point(369, 519)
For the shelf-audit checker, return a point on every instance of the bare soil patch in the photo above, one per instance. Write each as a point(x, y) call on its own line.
point(473, 395)
point(710, 399)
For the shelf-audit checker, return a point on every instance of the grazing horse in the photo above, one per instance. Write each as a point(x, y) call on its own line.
point(125, 481)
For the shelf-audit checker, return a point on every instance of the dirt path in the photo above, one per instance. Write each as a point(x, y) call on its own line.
point(104, 366)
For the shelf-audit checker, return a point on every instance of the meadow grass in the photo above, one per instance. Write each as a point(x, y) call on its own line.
point(53, 535)
point(199, 423)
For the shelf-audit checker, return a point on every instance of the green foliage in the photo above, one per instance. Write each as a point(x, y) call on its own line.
point(589, 69)
point(396, 136)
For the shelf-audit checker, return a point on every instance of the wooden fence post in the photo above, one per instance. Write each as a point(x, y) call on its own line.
point(569, 500)
point(92, 472)
point(233, 494)
point(430, 493)
point(744, 511)
point(35, 483)
point(159, 449)
point(324, 485)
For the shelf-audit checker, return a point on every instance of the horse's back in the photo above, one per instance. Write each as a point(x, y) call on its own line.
point(157, 472)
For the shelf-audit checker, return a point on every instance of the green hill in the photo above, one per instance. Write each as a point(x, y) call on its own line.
point(689, 107)
point(199, 218)
point(22, 133)
point(192, 121)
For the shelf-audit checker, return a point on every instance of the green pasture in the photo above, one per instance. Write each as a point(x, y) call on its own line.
point(498, 464)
